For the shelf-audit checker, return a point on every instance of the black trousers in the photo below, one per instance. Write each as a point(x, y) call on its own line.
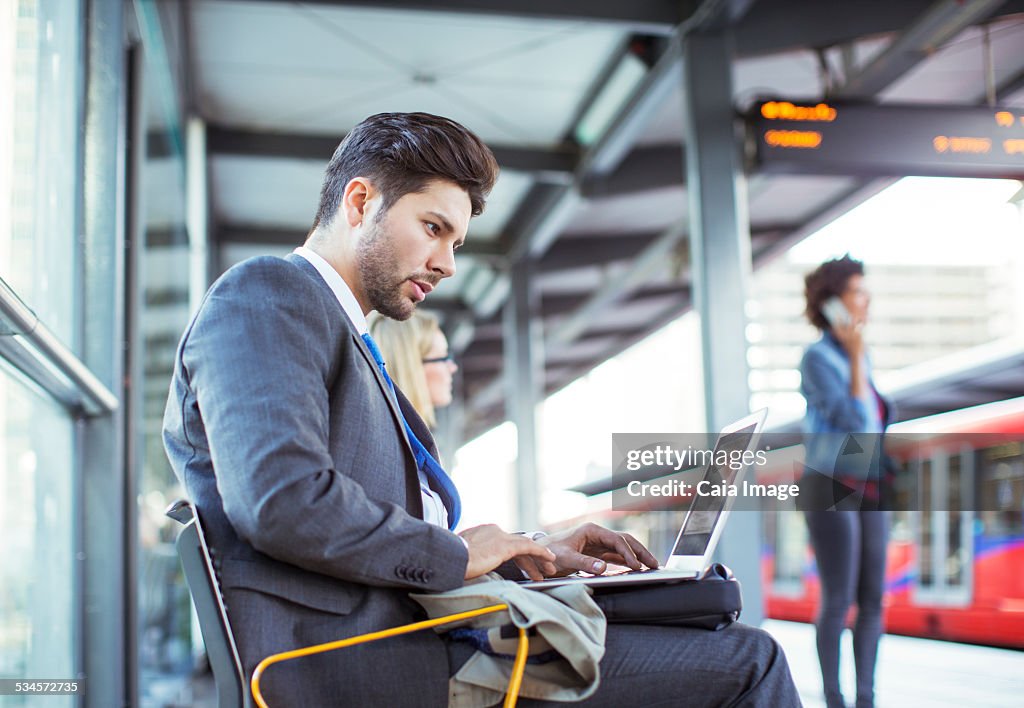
point(682, 666)
point(849, 547)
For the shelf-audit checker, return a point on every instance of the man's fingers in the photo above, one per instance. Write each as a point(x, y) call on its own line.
point(642, 554)
point(580, 561)
point(632, 552)
point(528, 564)
point(618, 543)
point(526, 547)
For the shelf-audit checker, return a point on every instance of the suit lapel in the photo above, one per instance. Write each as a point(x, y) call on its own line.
point(385, 390)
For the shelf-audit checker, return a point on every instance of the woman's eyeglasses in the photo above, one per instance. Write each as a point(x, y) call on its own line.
point(440, 359)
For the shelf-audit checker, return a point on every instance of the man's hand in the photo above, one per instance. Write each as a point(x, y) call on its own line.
point(489, 547)
point(591, 548)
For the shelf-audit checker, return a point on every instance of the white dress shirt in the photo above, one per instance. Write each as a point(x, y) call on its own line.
point(434, 510)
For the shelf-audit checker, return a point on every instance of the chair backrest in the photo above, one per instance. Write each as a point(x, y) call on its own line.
point(232, 688)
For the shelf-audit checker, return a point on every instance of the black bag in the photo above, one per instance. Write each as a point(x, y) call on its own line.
point(713, 601)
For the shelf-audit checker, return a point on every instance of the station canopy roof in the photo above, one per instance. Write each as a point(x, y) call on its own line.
point(582, 102)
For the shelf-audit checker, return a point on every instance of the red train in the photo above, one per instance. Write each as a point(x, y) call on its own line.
point(956, 563)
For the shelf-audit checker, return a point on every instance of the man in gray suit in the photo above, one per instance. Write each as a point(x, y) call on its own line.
point(318, 483)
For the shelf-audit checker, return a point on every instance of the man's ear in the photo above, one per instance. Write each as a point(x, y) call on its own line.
point(355, 200)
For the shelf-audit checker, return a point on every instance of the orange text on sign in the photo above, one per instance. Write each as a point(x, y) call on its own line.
point(784, 110)
point(943, 143)
point(807, 139)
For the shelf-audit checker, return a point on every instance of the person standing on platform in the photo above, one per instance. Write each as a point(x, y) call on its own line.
point(849, 544)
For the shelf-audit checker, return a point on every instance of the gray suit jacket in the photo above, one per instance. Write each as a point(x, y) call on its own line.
point(284, 434)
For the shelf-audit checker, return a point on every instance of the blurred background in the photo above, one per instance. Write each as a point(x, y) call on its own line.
point(639, 268)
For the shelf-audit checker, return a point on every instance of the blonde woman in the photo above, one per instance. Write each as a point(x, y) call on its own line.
point(417, 358)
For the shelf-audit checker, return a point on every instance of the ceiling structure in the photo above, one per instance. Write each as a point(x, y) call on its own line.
point(582, 102)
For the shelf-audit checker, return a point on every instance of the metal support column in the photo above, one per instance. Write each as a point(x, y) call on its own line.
point(107, 531)
point(524, 376)
point(720, 246)
point(197, 196)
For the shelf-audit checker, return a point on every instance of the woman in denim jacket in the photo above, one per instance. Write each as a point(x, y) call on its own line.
point(849, 543)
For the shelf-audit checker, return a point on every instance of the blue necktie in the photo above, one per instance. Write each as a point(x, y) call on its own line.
point(424, 460)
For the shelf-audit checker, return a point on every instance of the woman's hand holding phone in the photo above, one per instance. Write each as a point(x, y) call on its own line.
point(848, 331)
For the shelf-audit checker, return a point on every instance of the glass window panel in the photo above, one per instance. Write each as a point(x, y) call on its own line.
point(36, 514)
point(166, 642)
point(1002, 490)
point(39, 73)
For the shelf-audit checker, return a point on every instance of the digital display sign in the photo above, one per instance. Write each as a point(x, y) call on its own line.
point(887, 140)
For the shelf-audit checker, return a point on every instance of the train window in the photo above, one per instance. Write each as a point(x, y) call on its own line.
point(904, 493)
point(1002, 490)
point(926, 575)
point(955, 550)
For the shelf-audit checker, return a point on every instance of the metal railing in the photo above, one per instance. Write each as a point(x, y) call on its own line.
point(36, 352)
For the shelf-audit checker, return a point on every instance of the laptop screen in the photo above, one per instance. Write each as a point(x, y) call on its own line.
point(706, 508)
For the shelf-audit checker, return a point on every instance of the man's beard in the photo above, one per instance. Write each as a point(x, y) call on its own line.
point(378, 267)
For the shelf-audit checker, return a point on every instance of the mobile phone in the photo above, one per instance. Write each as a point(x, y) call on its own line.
point(835, 312)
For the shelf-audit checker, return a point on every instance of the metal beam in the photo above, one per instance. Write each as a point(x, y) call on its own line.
point(940, 23)
point(791, 25)
point(577, 252)
point(551, 163)
point(1009, 87)
point(539, 221)
point(653, 16)
point(584, 251)
point(642, 170)
point(648, 97)
point(260, 235)
point(649, 261)
point(487, 392)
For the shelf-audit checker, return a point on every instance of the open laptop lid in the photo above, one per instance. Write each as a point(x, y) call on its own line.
point(706, 518)
point(702, 527)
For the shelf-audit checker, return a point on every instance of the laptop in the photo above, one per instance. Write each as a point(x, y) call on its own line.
point(702, 527)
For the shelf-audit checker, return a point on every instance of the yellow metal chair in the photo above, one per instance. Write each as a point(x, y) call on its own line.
point(513, 685)
point(232, 690)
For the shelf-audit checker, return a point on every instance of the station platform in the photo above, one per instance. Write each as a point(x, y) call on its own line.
point(911, 671)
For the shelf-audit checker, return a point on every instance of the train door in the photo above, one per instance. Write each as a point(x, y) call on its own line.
point(945, 545)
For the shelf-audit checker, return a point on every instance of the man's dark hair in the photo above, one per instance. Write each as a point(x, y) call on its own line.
point(828, 280)
point(401, 153)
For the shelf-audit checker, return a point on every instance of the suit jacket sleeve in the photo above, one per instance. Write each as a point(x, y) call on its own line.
point(259, 358)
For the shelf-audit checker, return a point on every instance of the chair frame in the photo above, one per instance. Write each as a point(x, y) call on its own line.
point(201, 577)
point(232, 689)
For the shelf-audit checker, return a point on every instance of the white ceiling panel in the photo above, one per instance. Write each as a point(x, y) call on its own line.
point(266, 191)
point(281, 192)
point(313, 68)
point(646, 211)
point(504, 199)
point(955, 73)
point(792, 199)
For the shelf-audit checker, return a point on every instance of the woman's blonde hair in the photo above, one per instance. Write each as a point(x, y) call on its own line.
point(404, 345)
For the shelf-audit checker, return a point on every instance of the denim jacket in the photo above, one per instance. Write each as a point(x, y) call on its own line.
point(831, 410)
